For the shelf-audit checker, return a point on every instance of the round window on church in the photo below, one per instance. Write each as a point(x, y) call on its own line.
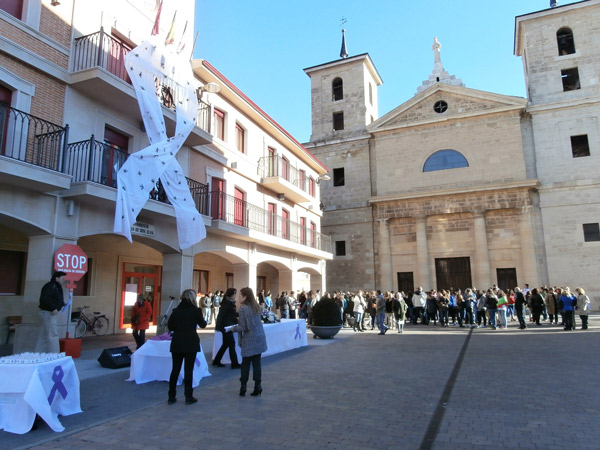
point(440, 106)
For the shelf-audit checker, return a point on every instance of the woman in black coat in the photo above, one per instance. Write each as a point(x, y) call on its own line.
point(185, 343)
point(227, 316)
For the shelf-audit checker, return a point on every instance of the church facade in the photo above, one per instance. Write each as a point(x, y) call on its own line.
point(458, 187)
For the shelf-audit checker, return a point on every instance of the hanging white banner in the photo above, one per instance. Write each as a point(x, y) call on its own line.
point(150, 68)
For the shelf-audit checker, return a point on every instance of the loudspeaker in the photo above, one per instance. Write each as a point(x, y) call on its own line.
point(115, 358)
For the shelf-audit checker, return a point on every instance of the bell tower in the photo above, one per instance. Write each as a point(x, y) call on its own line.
point(343, 96)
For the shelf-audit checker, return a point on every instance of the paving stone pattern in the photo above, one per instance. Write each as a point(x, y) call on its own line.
point(536, 388)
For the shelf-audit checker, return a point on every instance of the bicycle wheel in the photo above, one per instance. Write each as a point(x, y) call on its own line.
point(80, 329)
point(100, 326)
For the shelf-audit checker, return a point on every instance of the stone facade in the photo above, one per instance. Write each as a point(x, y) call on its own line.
point(516, 203)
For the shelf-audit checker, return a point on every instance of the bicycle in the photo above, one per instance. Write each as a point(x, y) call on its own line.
point(98, 324)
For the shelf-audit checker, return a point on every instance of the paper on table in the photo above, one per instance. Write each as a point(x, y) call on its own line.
point(229, 328)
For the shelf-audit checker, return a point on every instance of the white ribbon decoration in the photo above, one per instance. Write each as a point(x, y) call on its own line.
point(138, 176)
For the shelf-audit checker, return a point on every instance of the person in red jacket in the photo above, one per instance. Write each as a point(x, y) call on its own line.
point(140, 320)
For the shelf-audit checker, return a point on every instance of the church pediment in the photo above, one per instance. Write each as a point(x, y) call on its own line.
point(445, 102)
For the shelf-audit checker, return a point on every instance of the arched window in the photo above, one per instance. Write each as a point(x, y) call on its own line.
point(445, 159)
point(565, 41)
point(337, 88)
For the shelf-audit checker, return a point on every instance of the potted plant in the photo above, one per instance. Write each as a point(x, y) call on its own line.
point(327, 318)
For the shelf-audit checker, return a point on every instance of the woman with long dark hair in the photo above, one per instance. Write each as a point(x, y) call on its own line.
point(252, 340)
point(185, 343)
point(227, 316)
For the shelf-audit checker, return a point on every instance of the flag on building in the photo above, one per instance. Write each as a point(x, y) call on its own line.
point(171, 35)
point(156, 27)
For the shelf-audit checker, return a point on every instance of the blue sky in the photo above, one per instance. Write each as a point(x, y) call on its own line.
point(262, 46)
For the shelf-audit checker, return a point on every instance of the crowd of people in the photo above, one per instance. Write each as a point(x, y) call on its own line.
point(493, 308)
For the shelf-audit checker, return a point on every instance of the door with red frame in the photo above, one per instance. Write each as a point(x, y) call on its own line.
point(303, 230)
point(272, 162)
point(114, 155)
point(217, 199)
point(239, 208)
point(313, 235)
point(6, 98)
point(139, 279)
point(272, 219)
point(285, 169)
point(285, 224)
point(116, 58)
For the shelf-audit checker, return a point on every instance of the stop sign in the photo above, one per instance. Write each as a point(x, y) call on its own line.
point(72, 260)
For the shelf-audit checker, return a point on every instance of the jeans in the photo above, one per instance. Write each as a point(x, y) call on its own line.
point(569, 318)
point(492, 314)
point(444, 316)
point(381, 319)
point(206, 313)
point(584, 322)
point(481, 316)
point(285, 313)
point(502, 315)
point(358, 320)
point(418, 313)
point(256, 370)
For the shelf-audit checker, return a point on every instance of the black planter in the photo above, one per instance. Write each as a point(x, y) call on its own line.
point(325, 332)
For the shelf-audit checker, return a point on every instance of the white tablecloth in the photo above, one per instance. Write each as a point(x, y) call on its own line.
point(152, 362)
point(285, 335)
point(48, 389)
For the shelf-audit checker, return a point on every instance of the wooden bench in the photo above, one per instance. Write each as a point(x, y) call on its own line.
point(12, 322)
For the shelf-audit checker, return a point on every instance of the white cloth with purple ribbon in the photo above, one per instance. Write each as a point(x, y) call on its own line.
point(281, 337)
point(152, 362)
point(47, 389)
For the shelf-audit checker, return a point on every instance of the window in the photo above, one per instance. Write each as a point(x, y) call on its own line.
point(338, 121)
point(303, 230)
point(445, 159)
point(338, 177)
point(591, 232)
point(219, 125)
point(240, 137)
point(285, 168)
point(440, 106)
point(239, 207)
point(302, 179)
point(340, 248)
point(84, 285)
point(311, 186)
point(580, 146)
point(114, 154)
point(285, 224)
point(337, 88)
point(228, 280)
point(272, 219)
point(566, 44)
point(217, 199)
point(200, 282)
point(313, 234)
point(272, 162)
point(12, 267)
point(12, 7)
point(570, 79)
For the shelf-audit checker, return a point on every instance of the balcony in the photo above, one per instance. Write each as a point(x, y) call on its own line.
point(94, 165)
point(32, 151)
point(223, 207)
point(280, 176)
point(99, 72)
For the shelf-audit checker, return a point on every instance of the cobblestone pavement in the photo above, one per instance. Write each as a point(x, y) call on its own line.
point(430, 387)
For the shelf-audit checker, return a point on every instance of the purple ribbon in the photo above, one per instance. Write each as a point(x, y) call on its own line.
point(297, 335)
point(57, 377)
point(197, 362)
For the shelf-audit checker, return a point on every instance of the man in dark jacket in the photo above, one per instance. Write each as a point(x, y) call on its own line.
point(520, 305)
point(51, 302)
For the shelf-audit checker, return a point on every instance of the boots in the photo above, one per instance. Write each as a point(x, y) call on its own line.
point(257, 390)
point(243, 390)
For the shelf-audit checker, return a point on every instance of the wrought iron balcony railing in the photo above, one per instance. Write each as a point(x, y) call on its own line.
point(276, 166)
point(98, 162)
point(31, 139)
point(103, 50)
point(239, 212)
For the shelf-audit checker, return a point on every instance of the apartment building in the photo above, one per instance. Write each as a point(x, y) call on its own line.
point(70, 120)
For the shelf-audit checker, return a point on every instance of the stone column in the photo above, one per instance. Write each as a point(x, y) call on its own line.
point(528, 255)
point(483, 277)
point(423, 276)
point(177, 276)
point(244, 275)
point(386, 282)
